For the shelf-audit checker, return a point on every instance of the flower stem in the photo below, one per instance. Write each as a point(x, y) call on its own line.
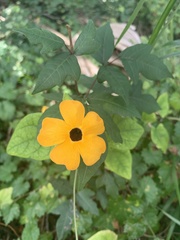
point(74, 204)
point(70, 38)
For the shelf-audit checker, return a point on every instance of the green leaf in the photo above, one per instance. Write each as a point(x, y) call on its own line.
point(108, 181)
point(8, 91)
point(5, 197)
point(138, 59)
point(104, 235)
point(7, 110)
point(106, 39)
point(152, 156)
point(48, 196)
point(160, 137)
point(56, 71)
point(117, 81)
point(175, 100)
point(130, 131)
point(164, 104)
point(113, 104)
point(8, 169)
point(85, 201)
point(86, 42)
point(20, 186)
point(143, 102)
point(31, 231)
point(10, 213)
point(48, 40)
point(148, 188)
point(119, 162)
point(64, 222)
point(134, 230)
point(23, 142)
point(176, 137)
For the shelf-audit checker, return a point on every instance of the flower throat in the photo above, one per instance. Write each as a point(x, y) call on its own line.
point(75, 134)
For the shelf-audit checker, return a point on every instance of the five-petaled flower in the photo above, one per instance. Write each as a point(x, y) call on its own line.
point(74, 137)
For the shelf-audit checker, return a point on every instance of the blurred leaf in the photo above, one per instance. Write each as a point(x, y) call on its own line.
point(7, 110)
point(152, 156)
point(176, 137)
point(49, 41)
point(48, 196)
point(7, 91)
point(119, 162)
point(138, 59)
point(104, 235)
point(107, 180)
point(64, 222)
point(117, 81)
point(34, 100)
point(165, 173)
point(7, 170)
point(86, 42)
point(31, 231)
point(106, 39)
point(160, 137)
point(130, 131)
point(174, 101)
point(84, 199)
point(20, 186)
point(149, 118)
point(23, 142)
point(10, 212)
point(134, 230)
point(5, 197)
point(56, 71)
point(46, 236)
point(148, 188)
point(164, 104)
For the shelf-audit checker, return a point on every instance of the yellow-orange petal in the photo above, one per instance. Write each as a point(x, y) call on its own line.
point(91, 149)
point(66, 154)
point(72, 111)
point(54, 131)
point(92, 124)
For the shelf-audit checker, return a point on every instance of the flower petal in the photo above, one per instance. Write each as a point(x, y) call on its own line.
point(54, 131)
point(72, 111)
point(91, 149)
point(66, 154)
point(92, 124)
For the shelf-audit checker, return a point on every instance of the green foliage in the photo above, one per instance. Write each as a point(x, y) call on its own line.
point(133, 190)
point(86, 43)
point(24, 142)
point(104, 235)
point(56, 71)
point(106, 39)
point(138, 59)
point(49, 41)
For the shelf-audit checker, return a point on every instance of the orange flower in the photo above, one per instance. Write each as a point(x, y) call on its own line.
point(75, 136)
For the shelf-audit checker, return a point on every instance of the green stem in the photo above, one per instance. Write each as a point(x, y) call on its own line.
point(74, 204)
point(161, 21)
point(131, 19)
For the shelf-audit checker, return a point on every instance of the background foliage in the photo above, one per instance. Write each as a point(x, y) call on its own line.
point(35, 194)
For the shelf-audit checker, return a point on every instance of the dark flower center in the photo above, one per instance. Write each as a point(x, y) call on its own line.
point(75, 134)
